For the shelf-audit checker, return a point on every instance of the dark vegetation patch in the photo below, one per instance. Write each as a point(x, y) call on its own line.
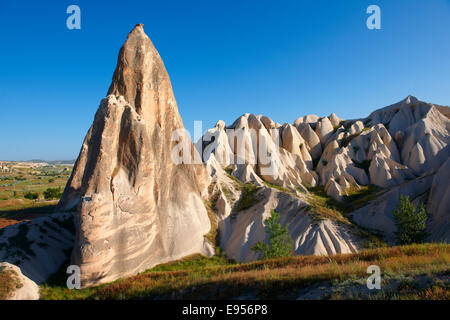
point(367, 122)
point(227, 193)
point(365, 164)
point(315, 162)
point(228, 169)
point(28, 211)
point(213, 235)
point(248, 197)
point(347, 138)
point(359, 196)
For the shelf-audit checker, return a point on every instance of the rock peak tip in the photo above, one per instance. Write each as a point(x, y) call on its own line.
point(139, 28)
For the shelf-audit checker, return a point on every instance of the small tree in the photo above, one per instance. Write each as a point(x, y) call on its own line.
point(31, 196)
point(52, 193)
point(280, 244)
point(410, 222)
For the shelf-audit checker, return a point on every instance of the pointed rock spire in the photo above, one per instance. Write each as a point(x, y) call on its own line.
point(136, 207)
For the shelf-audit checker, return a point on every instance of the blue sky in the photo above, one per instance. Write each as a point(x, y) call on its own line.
point(283, 59)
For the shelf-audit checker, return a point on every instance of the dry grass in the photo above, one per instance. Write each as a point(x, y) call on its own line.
point(324, 207)
point(8, 283)
point(213, 234)
point(270, 279)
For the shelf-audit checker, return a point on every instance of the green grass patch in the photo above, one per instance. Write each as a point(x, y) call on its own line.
point(359, 196)
point(227, 193)
point(279, 188)
point(321, 206)
point(248, 197)
point(213, 234)
point(192, 262)
point(237, 183)
point(228, 169)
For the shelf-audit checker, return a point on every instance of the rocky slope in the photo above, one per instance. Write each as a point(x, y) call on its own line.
point(36, 249)
point(398, 150)
point(20, 287)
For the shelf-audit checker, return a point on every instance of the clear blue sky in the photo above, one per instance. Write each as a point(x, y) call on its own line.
point(283, 59)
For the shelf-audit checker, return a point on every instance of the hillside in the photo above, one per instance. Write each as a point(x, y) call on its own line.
point(409, 272)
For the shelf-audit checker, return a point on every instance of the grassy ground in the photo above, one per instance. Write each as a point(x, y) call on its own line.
point(248, 197)
point(323, 206)
point(14, 207)
point(403, 268)
point(198, 277)
point(279, 188)
point(356, 197)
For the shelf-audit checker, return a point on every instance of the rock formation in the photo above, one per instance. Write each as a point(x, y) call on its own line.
point(129, 205)
point(24, 288)
point(240, 230)
point(37, 249)
point(399, 149)
point(136, 207)
point(438, 205)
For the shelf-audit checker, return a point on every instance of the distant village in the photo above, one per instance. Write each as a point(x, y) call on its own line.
point(4, 168)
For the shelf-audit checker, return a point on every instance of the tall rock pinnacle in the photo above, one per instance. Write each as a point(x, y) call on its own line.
point(140, 76)
point(136, 208)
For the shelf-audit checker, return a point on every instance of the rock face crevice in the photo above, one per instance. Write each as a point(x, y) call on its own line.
point(136, 208)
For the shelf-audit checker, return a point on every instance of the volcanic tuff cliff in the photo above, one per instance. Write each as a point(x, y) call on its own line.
point(362, 166)
point(136, 207)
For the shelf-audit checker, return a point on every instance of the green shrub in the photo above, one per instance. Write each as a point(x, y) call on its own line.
point(31, 195)
point(52, 193)
point(280, 243)
point(410, 222)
